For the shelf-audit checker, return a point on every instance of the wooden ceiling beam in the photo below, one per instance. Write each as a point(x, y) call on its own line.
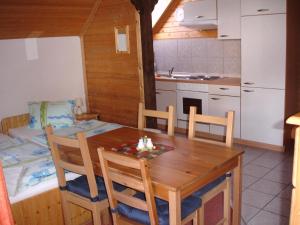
point(91, 17)
point(166, 15)
point(145, 8)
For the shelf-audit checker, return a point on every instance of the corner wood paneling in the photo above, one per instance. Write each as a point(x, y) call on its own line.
point(47, 18)
point(113, 83)
point(167, 27)
point(45, 209)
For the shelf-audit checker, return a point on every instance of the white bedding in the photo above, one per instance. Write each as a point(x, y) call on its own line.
point(24, 133)
point(28, 166)
point(40, 188)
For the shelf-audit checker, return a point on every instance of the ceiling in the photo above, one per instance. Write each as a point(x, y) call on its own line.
point(43, 18)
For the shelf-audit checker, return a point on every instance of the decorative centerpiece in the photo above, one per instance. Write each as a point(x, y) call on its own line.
point(145, 144)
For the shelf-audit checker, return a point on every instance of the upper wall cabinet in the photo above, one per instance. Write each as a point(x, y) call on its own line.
point(229, 21)
point(259, 7)
point(200, 10)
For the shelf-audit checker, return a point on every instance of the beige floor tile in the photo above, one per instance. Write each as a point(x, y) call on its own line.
point(270, 159)
point(256, 199)
point(248, 212)
point(279, 176)
point(251, 154)
point(286, 193)
point(248, 180)
point(267, 218)
point(279, 206)
point(267, 187)
point(255, 170)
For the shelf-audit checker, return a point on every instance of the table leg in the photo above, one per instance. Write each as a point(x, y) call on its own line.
point(237, 193)
point(174, 208)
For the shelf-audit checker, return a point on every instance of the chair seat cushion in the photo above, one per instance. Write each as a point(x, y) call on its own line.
point(80, 186)
point(209, 186)
point(188, 206)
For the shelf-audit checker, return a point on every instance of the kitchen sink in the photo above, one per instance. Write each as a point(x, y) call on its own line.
point(184, 76)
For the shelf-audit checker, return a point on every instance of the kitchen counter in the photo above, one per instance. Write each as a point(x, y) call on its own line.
point(232, 81)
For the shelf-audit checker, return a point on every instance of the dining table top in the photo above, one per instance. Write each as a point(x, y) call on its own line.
point(190, 163)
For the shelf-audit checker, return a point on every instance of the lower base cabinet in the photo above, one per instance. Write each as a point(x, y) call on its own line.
point(165, 98)
point(219, 106)
point(262, 115)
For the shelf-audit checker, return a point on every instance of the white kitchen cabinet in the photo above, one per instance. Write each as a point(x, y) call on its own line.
point(165, 96)
point(264, 51)
point(229, 19)
point(218, 106)
point(262, 115)
point(200, 10)
point(258, 7)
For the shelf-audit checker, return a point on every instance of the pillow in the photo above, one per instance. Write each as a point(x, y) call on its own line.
point(58, 114)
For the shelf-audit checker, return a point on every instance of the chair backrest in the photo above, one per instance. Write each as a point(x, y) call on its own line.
point(80, 144)
point(227, 122)
point(134, 174)
point(169, 116)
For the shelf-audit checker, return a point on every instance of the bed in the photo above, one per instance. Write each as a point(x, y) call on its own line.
point(39, 204)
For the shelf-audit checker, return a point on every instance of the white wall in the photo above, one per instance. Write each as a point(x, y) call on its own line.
point(56, 73)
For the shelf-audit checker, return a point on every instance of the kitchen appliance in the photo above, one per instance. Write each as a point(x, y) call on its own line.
point(191, 95)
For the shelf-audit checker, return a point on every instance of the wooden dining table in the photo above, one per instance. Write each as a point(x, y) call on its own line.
point(179, 172)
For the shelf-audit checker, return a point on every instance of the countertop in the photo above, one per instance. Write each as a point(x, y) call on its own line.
point(232, 81)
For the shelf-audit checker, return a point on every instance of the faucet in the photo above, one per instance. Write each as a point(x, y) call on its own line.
point(171, 71)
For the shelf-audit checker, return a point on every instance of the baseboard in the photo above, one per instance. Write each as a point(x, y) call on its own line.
point(253, 144)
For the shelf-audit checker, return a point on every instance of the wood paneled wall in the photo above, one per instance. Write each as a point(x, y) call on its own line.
point(47, 18)
point(167, 27)
point(113, 80)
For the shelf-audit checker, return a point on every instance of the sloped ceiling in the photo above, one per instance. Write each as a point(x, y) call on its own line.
point(43, 18)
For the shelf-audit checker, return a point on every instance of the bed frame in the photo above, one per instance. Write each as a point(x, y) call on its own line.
point(44, 208)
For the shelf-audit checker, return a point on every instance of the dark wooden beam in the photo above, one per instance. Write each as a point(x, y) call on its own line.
point(145, 8)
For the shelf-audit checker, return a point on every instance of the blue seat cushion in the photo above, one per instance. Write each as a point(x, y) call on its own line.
point(80, 186)
point(188, 206)
point(209, 186)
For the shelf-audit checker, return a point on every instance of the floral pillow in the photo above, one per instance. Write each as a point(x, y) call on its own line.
point(58, 114)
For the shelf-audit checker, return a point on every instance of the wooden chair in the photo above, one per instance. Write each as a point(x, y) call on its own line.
point(86, 191)
point(140, 208)
point(169, 115)
point(222, 184)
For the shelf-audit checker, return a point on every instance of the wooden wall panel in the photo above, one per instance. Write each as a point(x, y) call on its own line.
point(167, 27)
point(35, 18)
point(112, 79)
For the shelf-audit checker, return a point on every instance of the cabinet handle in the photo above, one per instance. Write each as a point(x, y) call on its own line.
point(262, 10)
point(214, 98)
point(198, 17)
point(249, 83)
point(223, 35)
point(224, 89)
point(248, 91)
point(158, 93)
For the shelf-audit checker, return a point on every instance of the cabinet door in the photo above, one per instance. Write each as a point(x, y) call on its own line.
point(262, 115)
point(200, 10)
point(229, 19)
point(219, 106)
point(258, 7)
point(163, 100)
point(263, 51)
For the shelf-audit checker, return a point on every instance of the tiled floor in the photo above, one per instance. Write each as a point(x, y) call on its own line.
point(266, 187)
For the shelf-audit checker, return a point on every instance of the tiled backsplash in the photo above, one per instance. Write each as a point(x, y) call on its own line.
point(199, 55)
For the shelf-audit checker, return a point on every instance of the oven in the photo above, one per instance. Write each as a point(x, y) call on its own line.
point(191, 95)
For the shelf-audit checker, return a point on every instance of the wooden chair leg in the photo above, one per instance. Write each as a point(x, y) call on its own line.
point(227, 202)
point(66, 210)
point(201, 215)
point(196, 218)
point(96, 215)
point(115, 219)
